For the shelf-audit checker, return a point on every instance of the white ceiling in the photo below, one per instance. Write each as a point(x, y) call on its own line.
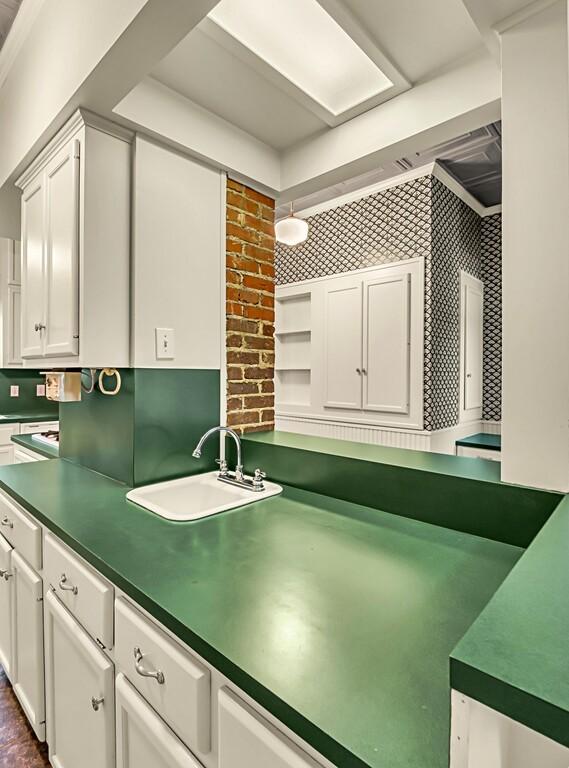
point(420, 37)
point(8, 11)
point(415, 37)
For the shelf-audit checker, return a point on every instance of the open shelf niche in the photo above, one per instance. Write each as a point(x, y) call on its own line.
point(293, 332)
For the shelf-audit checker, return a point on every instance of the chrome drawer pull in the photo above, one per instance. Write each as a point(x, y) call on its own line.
point(96, 703)
point(67, 587)
point(138, 657)
point(7, 522)
point(4, 574)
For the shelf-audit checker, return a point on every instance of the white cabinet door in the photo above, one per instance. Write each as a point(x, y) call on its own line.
point(6, 606)
point(143, 739)
point(27, 639)
point(33, 268)
point(6, 455)
point(246, 740)
point(62, 253)
point(13, 320)
point(343, 353)
point(79, 688)
point(386, 361)
point(471, 346)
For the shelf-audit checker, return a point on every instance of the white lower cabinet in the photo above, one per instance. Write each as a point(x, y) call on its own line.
point(27, 643)
point(247, 740)
point(6, 606)
point(143, 738)
point(80, 694)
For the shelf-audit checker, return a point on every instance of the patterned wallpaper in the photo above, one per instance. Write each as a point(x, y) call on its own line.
point(492, 278)
point(389, 226)
point(419, 218)
point(455, 245)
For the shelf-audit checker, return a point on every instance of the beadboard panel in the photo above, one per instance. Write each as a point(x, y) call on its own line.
point(360, 434)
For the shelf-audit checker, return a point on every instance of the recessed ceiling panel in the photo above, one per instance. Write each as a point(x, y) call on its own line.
point(304, 44)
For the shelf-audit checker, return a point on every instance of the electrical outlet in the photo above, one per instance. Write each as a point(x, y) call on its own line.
point(14, 390)
point(40, 390)
point(165, 344)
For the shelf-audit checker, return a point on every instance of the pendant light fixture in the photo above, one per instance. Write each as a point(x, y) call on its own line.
point(291, 230)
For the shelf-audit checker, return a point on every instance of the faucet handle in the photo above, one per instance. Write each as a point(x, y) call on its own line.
point(222, 466)
point(258, 478)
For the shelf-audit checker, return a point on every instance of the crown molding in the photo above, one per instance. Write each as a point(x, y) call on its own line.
point(524, 13)
point(430, 169)
point(77, 121)
point(24, 21)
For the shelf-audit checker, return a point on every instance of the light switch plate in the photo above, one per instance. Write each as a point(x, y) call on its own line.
point(165, 344)
point(14, 390)
point(40, 390)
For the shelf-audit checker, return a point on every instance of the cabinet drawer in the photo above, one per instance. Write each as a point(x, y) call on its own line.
point(39, 426)
point(183, 697)
point(23, 533)
point(246, 739)
point(87, 595)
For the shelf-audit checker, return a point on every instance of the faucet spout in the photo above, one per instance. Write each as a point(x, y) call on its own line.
point(228, 431)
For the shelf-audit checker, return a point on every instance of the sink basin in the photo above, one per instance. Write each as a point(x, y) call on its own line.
point(191, 498)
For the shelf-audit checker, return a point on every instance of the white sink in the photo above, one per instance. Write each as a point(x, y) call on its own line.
point(191, 498)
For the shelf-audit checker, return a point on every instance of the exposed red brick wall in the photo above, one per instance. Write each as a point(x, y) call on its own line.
point(250, 309)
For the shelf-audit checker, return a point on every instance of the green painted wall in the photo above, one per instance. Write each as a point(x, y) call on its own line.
point(28, 401)
point(452, 491)
point(173, 408)
point(148, 431)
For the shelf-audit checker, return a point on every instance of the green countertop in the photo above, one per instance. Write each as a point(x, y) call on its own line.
point(515, 657)
point(27, 418)
point(424, 461)
point(339, 619)
point(481, 440)
point(27, 441)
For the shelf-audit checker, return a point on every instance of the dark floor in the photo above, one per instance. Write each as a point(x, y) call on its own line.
point(19, 747)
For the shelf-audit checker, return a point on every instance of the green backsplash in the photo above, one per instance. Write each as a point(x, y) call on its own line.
point(27, 402)
point(148, 431)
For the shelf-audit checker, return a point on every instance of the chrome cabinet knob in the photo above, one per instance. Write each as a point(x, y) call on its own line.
point(358, 370)
point(96, 703)
point(65, 587)
point(7, 522)
point(158, 675)
point(39, 327)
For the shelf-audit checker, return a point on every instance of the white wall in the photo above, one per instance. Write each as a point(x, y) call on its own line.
point(535, 115)
point(178, 248)
point(10, 212)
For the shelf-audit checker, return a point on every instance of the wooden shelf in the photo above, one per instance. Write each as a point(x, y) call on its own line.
point(293, 368)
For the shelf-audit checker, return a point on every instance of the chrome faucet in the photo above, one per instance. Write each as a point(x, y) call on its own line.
point(237, 477)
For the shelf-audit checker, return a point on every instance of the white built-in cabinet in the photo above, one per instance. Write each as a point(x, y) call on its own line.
point(350, 347)
point(76, 248)
point(79, 693)
point(10, 297)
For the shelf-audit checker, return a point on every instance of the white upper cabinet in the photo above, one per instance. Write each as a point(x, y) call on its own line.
point(61, 311)
point(76, 248)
